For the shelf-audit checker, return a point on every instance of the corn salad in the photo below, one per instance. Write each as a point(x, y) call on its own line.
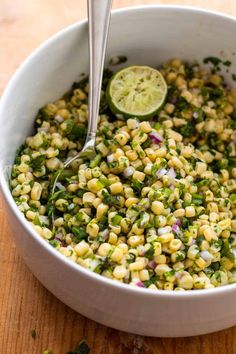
point(156, 207)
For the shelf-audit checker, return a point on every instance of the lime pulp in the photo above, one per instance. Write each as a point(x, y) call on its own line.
point(136, 91)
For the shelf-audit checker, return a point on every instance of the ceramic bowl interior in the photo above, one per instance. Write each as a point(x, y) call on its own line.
point(147, 35)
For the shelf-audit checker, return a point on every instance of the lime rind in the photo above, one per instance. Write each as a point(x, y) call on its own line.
point(136, 91)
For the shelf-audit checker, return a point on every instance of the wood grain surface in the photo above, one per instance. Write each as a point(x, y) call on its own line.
point(24, 303)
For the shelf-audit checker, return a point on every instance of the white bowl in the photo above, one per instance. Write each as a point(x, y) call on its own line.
point(147, 35)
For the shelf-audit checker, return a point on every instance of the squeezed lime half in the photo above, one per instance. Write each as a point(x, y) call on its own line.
point(136, 91)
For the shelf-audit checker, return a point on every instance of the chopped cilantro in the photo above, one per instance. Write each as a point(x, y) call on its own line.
point(130, 258)
point(199, 114)
point(80, 192)
point(107, 74)
point(210, 93)
point(149, 282)
point(182, 104)
point(54, 243)
point(188, 129)
point(69, 126)
point(116, 220)
point(185, 223)
point(232, 161)
point(197, 199)
point(227, 63)
point(233, 121)
point(227, 252)
point(215, 93)
point(212, 60)
point(215, 266)
point(103, 223)
point(180, 256)
point(209, 272)
point(95, 161)
point(33, 333)
point(202, 183)
point(44, 114)
point(146, 143)
point(105, 181)
point(36, 164)
point(199, 240)
point(137, 185)
point(19, 152)
point(57, 194)
point(169, 274)
point(79, 233)
point(78, 132)
point(103, 265)
point(117, 60)
point(81, 348)
point(233, 199)
point(50, 209)
point(66, 174)
point(188, 69)
point(150, 252)
point(37, 221)
point(218, 276)
point(222, 164)
point(112, 200)
point(80, 84)
point(234, 77)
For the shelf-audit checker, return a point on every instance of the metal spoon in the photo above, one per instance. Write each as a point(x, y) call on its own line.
point(98, 21)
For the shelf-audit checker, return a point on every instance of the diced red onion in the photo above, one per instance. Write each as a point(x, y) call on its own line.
point(60, 186)
point(155, 137)
point(128, 171)
point(178, 222)
point(193, 242)
point(120, 116)
point(71, 206)
point(145, 219)
point(195, 115)
point(44, 219)
point(58, 236)
point(43, 129)
point(59, 118)
point(161, 172)
point(110, 158)
point(146, 203)
point(176, 228)
point(142, 254)
point(178, 275)
point(171, 173)
point(94, 263)
point(163, 230)
point(104, 234)
point(140, 284)
point(152, 264)
point(207, 256)
point(174, 100)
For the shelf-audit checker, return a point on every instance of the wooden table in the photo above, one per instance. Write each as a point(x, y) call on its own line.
point(24, 303)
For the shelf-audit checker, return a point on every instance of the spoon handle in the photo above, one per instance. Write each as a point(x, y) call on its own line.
point(99, 18)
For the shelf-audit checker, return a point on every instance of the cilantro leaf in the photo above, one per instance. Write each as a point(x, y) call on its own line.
point(36, 164)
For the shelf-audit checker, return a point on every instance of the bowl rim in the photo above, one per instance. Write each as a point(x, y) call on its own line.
point(101, 280)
